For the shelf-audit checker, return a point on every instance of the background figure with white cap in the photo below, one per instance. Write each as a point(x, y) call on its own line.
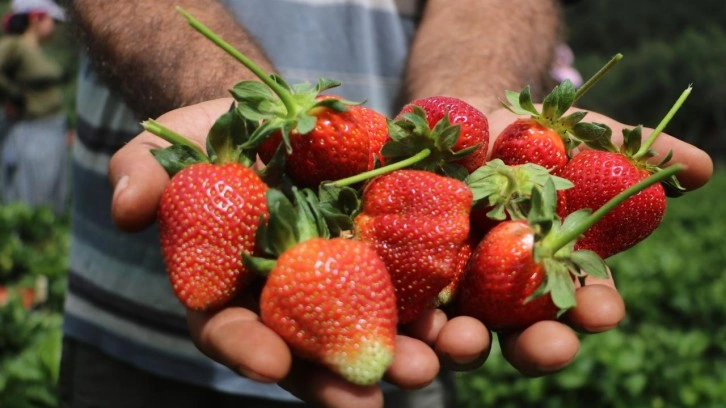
point(35, 148)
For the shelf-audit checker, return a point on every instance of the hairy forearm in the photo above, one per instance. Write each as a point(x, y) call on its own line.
point(477, 49)
point(146, 51)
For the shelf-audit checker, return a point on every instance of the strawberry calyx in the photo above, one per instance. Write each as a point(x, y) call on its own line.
point(279, 106)
point(226, 142)
point(555, 239)
point(289, 223)
point(507, 189)
point(411, 134)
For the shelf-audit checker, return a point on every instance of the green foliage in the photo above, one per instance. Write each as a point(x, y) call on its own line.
point(671, 349)
point(33, 255)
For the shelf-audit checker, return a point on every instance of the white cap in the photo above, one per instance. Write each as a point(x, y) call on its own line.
point(45, 6)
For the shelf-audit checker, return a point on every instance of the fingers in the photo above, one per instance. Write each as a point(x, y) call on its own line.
point(138, 180)
point(463, 344)
point(415, 364)
point(237, 338)
point(319, 387)
point(699, 165)
point(543, 348)
point(599, 308)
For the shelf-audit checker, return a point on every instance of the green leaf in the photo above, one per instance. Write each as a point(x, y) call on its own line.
point(632, 140)
point(595, 135)
point(590, 263)
point(326, 83)
point(305, 123)
point(525, 101)
point(561, 285)
point(227, 136)
point(176, 157)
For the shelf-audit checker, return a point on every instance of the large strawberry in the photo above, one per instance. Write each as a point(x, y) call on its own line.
point(473, 135)
point(209, 212)
point(547, 137)
point(324, 137)
point(523, 271)
point(418, 222)
point(599, 175)
point(330, 299)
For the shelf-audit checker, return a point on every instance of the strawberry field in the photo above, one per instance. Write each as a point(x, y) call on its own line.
point(669, 352)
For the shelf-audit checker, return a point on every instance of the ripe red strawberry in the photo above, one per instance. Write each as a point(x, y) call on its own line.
point(333, 302)
point(523, 271)
point(600, 175)
point(208, 216)
point(209, 212)
point(342, 144)
point(418, 222)
point(501, 277)
point(474, 126)
point(544, 138)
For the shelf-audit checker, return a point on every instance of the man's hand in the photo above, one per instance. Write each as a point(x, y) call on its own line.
point(236, 337)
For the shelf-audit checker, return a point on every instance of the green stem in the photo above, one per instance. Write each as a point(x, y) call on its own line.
point(645, 147)
point(598, 75)
point(381, 170)
point(561, 240)
point(284, 95)
point(169, 135)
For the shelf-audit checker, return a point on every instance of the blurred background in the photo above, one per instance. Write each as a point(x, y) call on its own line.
point(671, 349)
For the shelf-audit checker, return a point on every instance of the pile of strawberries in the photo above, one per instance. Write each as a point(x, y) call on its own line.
point(358, 222)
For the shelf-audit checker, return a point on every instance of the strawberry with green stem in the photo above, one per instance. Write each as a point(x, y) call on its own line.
point(598, 175)
point(330, 299)
point(456, 133)
point(547, 138)
point(324, 136)
point(524, 271)
point(209, 212)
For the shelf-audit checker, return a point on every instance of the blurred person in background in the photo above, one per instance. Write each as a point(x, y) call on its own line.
point(35, 148)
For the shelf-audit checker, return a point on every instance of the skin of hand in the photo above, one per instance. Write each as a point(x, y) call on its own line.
point(236, 337)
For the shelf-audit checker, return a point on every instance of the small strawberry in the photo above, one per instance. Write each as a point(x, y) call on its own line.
point(472, 123)
point(333, 302)
point(330, 299)
point(208, 213)
point(547, 138)
point(523, 271)
point(600, 175)
point(418, 222)
point(322, 140)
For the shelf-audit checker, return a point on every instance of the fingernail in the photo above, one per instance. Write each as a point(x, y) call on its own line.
point(121, 185)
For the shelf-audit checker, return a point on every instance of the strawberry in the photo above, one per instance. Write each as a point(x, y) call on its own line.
point(330, 299)
point(321, 139)
point(473, 125)
point(547, 138)
point(599, 175)
point(343, 143)
point(333, 302)
point(418, 222)
point(523, 271)
point(209, 212)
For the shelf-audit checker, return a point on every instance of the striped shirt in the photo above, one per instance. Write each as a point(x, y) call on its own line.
point(119, 297)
